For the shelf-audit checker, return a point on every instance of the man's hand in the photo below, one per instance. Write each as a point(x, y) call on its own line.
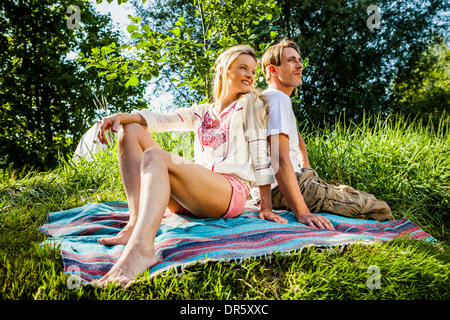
point(110, 122)
point(271, 216)
point(315, 221)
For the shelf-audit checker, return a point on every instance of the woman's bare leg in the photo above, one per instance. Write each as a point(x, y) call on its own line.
point(162, 174)
point(133, 140)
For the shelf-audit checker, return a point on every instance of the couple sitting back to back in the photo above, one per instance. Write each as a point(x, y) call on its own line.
point(232, 138)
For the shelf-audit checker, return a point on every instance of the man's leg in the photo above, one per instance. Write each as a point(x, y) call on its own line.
point(366, 205)
point(303, 178)
point(334, 197)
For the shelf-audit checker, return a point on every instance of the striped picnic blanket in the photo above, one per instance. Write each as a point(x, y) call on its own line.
point(182, 240)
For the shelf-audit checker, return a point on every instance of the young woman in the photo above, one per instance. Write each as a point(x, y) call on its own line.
point(230, 151)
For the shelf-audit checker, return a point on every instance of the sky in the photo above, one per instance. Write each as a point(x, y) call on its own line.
point(118, 12)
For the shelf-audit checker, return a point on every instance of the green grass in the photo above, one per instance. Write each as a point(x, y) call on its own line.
point(406, 165)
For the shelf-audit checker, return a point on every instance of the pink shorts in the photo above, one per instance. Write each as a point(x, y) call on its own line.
point(239, 196)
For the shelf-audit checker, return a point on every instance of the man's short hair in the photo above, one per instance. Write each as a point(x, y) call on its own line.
point(273, 55)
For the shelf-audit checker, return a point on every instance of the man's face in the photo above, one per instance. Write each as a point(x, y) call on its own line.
point(290, 71)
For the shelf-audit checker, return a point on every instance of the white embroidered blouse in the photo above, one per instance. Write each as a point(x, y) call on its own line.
point(232, 142)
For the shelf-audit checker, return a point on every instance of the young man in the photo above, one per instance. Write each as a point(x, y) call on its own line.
point(299, 188)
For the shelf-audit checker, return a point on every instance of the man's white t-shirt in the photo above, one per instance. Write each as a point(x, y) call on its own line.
point(281, 121)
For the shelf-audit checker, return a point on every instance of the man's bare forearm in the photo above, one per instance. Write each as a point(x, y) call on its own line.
point(289, 188)
point(265, 194)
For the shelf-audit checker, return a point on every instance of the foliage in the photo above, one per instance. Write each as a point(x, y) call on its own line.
point(46, 97)
point(352, 67)
point(423, 87)
point(185, 48)
point(375, 160)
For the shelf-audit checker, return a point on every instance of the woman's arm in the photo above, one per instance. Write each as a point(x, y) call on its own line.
point(181, 119)
point(255, 131)
point(114, 121)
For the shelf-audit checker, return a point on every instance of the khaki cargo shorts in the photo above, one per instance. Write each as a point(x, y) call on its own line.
point(334, 197)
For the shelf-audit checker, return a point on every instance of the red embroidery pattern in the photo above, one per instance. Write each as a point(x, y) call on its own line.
point(215, 134)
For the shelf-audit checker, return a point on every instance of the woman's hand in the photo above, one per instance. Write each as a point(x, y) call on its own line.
point(271, 216)
point(110, 122)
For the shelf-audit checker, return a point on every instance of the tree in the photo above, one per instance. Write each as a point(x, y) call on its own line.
point(186, 51)
point(422, 87)
point(45, 97)
point(351, 67)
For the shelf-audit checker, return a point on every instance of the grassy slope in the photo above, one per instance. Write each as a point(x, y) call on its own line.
point(408, 166)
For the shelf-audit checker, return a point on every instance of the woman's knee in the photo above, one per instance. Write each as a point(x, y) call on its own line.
point(153, 155)
point(129, 130)
point(134, 135)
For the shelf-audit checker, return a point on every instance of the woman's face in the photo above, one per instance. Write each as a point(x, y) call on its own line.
point(241, 74)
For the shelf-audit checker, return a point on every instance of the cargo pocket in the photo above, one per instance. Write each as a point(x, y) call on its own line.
point(313, 193)
point(342, 203)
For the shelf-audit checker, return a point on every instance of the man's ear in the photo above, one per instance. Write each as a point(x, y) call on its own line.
point(272, 70)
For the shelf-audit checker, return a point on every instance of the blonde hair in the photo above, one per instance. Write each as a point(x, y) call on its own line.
point(273, 55)
point(223, 63)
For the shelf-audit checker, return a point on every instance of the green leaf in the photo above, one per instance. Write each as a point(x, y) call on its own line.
point(107, 50)
point(135, 35)
point(180, 22)
point(124, 67)
point(133, 81)
point(90, 65)
point(273, 34)
point(144, 44)
point(134, 20)
point(176, 31)
point(95, 51)
point(132, 28)
point(223, 42)
point(111, 76)
point(155, 73)
point(146, 28)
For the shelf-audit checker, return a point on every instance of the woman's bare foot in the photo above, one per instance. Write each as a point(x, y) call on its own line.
point(135, 260)
point(121, 238)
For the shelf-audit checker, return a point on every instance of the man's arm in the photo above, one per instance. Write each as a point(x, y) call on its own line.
point(288, 184)
point(266, 212)
point(303, 156)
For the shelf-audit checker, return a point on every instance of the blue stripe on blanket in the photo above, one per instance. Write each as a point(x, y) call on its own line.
point(183, 240)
